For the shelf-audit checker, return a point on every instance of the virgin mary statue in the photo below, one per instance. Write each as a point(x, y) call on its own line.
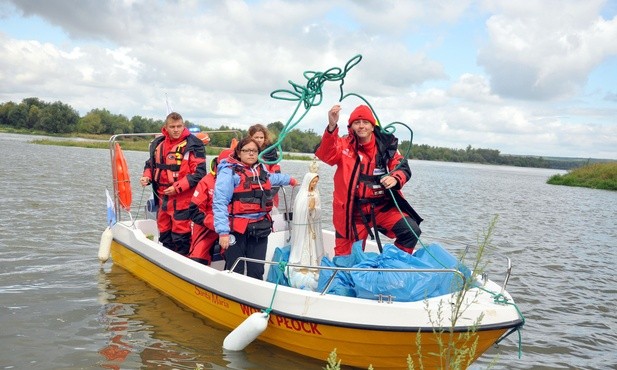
point(306, 238)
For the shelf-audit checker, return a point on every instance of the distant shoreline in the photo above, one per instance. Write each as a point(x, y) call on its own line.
point(141, 146)
point(418, 152)
point(596, 175)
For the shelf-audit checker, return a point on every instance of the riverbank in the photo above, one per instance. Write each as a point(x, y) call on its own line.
point(305, 143)
point(138, 145)
point(596, 176)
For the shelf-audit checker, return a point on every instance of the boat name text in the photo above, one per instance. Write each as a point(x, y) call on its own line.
point(211, 297)
point(292, 324)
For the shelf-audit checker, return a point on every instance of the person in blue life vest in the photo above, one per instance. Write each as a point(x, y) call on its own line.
point(176, 165)
point(241, 205)
point(370, 173)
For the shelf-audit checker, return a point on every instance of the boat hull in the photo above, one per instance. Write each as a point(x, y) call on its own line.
point(307, 331)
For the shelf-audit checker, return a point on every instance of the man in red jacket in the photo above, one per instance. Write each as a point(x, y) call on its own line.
point(369, 175)
point(177, 162)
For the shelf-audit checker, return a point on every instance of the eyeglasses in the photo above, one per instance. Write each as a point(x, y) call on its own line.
point(249, 151)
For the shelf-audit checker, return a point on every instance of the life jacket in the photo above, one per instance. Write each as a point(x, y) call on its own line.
point(168, 162)
point(270, 157)
point(368, 187)
point(254, 192)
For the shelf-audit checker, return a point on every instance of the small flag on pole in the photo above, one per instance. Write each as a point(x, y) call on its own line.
point(111, 209)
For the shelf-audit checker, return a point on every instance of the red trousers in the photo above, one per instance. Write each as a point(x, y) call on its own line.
point(201, 242)
point(174, 226)
point(390, 222)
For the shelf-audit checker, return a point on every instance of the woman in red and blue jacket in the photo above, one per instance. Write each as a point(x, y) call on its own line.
point(241, 205)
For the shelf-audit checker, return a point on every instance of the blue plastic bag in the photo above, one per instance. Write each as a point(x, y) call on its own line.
point(342, 284)
point(275, 275)
point(407, 286)
point(435, 255)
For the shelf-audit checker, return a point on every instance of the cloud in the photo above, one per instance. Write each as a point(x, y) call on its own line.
point(545, 50)
point(94, 20)
point(611, 96)
point(218, 62)
point(473, 88)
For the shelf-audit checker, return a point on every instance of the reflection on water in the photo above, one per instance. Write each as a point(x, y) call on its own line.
point(140, 321)
point(59, 310)
point(147, 328)
point(118, 349)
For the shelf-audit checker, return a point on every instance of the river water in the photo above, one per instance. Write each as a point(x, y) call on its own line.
point(60, 309)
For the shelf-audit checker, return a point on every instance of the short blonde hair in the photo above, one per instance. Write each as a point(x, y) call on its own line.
point(173, 116)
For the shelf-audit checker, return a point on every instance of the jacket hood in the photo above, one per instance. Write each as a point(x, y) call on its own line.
point(168, 138)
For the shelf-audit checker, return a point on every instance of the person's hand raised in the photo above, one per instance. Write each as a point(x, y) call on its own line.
point(333, 116)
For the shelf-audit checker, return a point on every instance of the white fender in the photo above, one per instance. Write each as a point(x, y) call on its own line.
point(105, 245)
point(246, 332)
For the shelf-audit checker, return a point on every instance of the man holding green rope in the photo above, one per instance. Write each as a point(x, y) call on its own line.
point(367, 182)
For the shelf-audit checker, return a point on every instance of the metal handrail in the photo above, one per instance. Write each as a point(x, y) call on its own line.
point(112, 152)
point(508, 271)
point(338, 269)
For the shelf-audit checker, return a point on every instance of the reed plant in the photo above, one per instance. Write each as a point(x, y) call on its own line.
point(458, 350)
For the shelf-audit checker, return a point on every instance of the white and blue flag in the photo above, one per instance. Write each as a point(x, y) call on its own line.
point(111, 209)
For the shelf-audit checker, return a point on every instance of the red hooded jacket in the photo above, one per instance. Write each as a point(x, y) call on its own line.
point(351, 161)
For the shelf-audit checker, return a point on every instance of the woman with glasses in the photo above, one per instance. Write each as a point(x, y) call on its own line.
point(241, 205)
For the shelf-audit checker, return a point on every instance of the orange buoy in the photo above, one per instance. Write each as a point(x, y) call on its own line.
point(122, 180)
point(204, 137)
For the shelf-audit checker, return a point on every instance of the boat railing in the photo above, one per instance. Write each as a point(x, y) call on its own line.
point(467, 245)
point(112, 152)
point(337, 269)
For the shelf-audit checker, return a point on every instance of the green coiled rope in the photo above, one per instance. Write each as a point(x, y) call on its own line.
point(309, 95)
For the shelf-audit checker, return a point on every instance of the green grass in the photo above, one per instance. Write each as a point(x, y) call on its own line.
point(595, 176)
point(138, 145)
point(129, 145)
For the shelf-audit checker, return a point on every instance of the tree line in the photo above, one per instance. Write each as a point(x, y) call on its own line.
point(32, 114)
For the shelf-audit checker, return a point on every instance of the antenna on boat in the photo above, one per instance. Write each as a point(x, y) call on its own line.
point(169, 108)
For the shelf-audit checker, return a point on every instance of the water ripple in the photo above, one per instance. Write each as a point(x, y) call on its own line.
point(55, 298)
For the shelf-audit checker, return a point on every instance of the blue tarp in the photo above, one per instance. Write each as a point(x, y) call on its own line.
point(275, 274)
point(402, 286)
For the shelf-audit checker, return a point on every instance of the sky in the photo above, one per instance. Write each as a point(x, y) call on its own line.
point(523, 77)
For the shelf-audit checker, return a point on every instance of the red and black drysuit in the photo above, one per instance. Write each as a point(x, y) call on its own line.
point(204, 236)
point(360, 204)
point(179, 163)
